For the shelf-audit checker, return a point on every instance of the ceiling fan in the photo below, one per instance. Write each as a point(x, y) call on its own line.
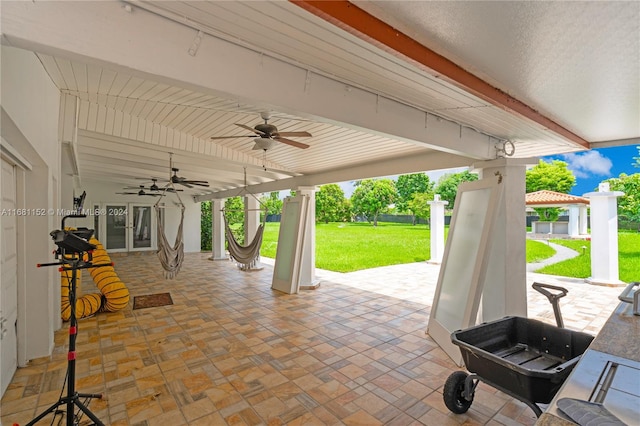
point(141, 192)
point(186, 182)
point(154, 187)
point(175, 179)
point(268, 133)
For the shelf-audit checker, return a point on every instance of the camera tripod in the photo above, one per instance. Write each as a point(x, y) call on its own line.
point(71, 248)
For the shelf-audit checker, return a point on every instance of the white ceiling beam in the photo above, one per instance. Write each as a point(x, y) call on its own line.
point(348, 17)
point(616, 142)
point(433, 160)
point(150, 46)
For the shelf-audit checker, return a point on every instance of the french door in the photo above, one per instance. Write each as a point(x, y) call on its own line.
point(127, 227)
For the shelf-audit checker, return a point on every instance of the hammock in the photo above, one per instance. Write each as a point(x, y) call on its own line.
point(246, 257)
point(171, 257)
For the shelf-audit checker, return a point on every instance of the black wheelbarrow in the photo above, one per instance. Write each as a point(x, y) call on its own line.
point(524, 358)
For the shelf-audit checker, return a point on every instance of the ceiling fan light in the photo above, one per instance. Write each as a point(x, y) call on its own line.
point(263, 143)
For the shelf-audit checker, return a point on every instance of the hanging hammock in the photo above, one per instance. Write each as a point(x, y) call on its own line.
point(171, 257)
point(246, 257)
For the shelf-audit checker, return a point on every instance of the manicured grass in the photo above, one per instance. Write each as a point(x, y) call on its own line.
point(580, 266)
point(537, 251)
point(347, 247)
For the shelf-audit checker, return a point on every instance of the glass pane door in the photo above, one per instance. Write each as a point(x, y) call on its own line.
point(116, 227)
point(143, 227)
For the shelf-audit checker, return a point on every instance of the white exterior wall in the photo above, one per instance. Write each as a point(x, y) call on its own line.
point(191, 227)
point(30, 106)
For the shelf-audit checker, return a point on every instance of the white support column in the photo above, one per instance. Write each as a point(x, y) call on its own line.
point(217, 230)
point(506, 271)
point(437, 228)
point(584, 220)
point(251, 219)
point(574, 217)
point(308, 280)
point(604, 236)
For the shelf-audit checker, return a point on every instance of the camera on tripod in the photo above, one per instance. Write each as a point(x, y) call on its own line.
point(71, 244)
point(73, 241)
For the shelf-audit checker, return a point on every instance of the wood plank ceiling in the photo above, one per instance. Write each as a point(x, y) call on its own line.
point(128, 123)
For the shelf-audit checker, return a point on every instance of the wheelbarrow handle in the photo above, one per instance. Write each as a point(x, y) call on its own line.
point(553, 298)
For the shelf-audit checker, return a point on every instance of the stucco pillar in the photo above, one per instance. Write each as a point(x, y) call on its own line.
point(583, 222)
point(217, 230)
point(436, 221)
point(251, 220)
point(604, 236)
point(308, 280)
point(574, 219)
point(505, 290)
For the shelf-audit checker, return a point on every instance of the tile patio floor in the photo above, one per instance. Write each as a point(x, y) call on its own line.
point(232, 351)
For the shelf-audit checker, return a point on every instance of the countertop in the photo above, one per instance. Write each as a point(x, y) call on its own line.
point(619, 339)
point(620, 335)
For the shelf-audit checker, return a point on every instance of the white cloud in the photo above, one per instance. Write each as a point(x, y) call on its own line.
point(588, 164)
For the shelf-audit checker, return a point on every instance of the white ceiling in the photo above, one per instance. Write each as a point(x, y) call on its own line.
point(578, 62)
point(141, 94)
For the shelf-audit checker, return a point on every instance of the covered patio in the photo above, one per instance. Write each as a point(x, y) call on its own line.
point(110, 97)
point(232, 351)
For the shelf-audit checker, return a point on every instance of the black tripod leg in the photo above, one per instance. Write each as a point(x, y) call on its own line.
point(89, 414)
point(72, 398)
point(51, 409)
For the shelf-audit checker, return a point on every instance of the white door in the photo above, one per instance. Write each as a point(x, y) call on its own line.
point(464, 265)
point(9, 284)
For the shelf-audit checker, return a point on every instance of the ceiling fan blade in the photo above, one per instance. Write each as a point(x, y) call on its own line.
point(251, 129)
point(151, 179)
point(197, 182)
point(295, 134)
point(290, 142)
point(232, 137)
point(127, 193)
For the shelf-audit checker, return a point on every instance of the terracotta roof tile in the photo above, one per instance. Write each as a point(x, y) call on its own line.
point(552, 198)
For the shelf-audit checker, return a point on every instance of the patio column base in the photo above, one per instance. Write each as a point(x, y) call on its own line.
point(605, 282)
point(313, 286)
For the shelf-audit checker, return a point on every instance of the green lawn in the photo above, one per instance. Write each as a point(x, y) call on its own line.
point(580, 266)
point(346, 247)
point(537, 251)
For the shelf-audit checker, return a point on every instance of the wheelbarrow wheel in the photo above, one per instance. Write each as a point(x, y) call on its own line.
point(453, 393)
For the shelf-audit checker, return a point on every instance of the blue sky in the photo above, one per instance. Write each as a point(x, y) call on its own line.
point(592, 167)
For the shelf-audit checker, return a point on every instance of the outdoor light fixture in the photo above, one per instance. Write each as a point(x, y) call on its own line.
point(263, 143)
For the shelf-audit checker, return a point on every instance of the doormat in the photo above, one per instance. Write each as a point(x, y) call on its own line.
point(152, 300)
